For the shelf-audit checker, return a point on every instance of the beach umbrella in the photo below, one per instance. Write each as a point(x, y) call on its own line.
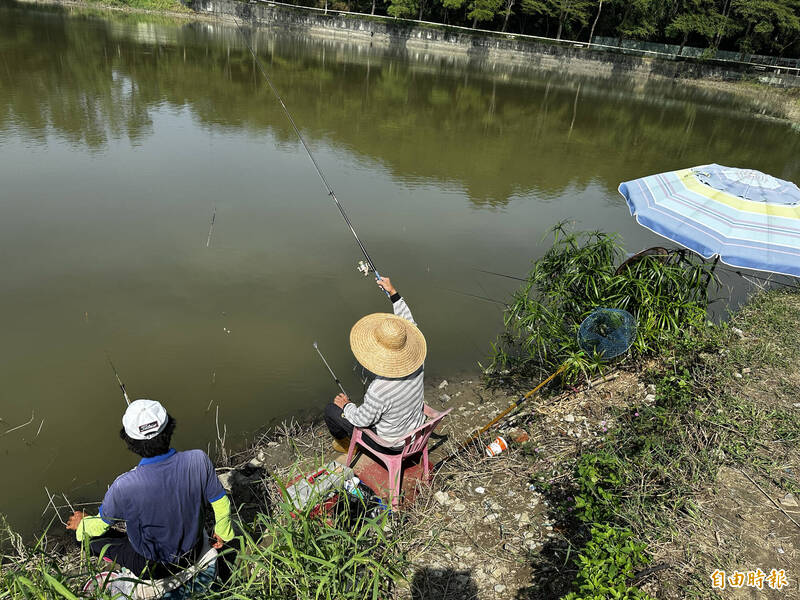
point(743, 217)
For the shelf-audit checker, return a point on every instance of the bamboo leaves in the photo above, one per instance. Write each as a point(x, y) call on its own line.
point(578, 273)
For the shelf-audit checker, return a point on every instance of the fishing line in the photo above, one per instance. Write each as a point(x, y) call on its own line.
point(370, 266)
point(721, 268)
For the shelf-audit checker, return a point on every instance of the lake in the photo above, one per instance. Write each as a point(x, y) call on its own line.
point(120, 137)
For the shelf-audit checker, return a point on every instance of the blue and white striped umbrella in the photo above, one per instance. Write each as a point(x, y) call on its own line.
point(747, 218)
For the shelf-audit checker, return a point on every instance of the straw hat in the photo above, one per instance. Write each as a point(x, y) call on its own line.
point(388, 345)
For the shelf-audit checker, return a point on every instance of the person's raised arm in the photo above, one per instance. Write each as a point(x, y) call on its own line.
point(398, 304)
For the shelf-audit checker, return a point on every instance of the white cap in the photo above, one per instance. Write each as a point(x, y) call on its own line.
point(144, 419)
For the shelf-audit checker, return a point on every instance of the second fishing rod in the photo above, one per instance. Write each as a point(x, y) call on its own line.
point(367, 265)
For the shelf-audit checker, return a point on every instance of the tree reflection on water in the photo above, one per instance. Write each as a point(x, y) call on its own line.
point(495, 133)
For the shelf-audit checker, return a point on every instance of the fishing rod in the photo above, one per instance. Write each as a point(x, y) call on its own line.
point(335, 378)
point(119, 381)
point(477, 434)
point(501, 275)
point(363, 267)
point(487, 298)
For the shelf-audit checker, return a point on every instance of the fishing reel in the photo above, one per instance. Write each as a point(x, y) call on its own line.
point(363, 268)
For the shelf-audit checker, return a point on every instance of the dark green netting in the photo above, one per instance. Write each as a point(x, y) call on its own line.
point(608, 332)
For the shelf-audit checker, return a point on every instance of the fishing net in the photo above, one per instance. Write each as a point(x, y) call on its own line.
point(607, 332)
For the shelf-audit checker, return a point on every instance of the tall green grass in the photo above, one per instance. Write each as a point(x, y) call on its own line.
point(288, 554)
point(347, 555)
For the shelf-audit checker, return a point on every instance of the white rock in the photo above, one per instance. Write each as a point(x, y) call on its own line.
point(444, 397)
point(255, 463)
point(650, 398)
point(443, 385)
point(569, 418)
point(524, 519)
point(737, 375)
point(490, 518)
point(499, 588)
point(442, 498)
point(458, 507)
point(225, 479)
point(789, 500)
point(480, 490)
point(737, 332)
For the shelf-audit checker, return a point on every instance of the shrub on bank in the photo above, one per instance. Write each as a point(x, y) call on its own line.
point(579, 273)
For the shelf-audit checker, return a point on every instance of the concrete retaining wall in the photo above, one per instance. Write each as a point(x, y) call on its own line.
point(489, 47)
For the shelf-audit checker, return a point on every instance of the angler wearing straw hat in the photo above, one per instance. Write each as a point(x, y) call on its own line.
point(161, 501)
point(391, 347)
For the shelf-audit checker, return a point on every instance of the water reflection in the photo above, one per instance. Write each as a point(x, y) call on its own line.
point(495, 136)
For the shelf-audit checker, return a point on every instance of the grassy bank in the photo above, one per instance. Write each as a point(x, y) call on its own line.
point(145, 5)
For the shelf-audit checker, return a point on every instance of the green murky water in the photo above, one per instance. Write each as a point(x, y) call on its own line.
point(120, 134)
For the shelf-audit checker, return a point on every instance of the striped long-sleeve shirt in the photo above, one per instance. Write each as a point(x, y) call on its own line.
point(392, 406)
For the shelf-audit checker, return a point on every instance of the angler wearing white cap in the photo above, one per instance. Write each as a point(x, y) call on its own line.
point(392, 348)
point(161, 501)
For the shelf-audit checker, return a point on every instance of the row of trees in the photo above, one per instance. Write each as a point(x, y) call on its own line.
point(748, 26)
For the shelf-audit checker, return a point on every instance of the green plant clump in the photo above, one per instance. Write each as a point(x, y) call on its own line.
point(606, 566)
point(344, 557)
point(666, 295)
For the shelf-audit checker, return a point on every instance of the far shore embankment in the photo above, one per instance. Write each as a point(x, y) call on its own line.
point(494, 47)
point(770, 91)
